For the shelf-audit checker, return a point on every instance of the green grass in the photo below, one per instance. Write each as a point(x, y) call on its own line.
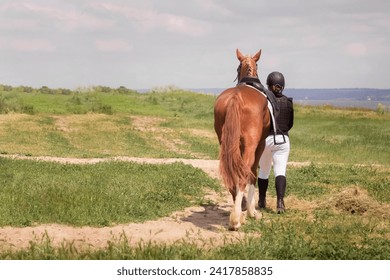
point(325, 236)
point(89, 135)
point(97, 195)
point(313, 181)
point(167, 103)
point(323, 134)
point(88, 124)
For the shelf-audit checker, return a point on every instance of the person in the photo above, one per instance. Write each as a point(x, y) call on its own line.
point(277, 148)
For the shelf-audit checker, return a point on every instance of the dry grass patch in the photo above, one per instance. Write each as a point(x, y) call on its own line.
point(356, 201)
point(203, 133)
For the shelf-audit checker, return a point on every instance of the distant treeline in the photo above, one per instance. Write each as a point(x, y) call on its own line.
point(363, 94)
point(64, 91)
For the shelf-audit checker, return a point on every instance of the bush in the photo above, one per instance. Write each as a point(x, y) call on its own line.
point(102, 109)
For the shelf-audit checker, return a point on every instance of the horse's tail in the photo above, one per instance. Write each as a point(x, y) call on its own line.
point(234, 171)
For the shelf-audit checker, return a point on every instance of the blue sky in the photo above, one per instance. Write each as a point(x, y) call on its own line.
point(191, 44)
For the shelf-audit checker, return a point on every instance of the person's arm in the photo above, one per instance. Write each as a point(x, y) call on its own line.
point(291, 121)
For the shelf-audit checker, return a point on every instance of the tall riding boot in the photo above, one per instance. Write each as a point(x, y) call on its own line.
point(280, 184)
point(263, 186)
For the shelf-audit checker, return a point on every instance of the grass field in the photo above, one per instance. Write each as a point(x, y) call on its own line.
point(339, 203)
point(97, 195)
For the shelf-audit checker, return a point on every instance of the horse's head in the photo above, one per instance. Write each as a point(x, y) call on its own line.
point(248, 65)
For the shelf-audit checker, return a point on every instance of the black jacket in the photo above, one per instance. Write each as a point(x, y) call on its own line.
point(285, 118)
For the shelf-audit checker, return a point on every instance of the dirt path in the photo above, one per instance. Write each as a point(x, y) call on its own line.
point(194, 224)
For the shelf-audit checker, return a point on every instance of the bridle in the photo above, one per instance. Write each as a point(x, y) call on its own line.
point(250, 71)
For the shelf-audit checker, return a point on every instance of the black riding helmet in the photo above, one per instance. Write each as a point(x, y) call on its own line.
point(275, 81)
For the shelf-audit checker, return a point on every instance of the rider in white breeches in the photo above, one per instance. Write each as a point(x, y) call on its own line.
point(277, 148)
point(276, 155)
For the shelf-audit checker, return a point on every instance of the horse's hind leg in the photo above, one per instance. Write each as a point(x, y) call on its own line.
point(251, 203)
point(251, 192)
point(250, 158)
point(236, 216)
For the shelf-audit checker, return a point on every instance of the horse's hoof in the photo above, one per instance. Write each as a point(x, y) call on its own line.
point(234, 228)
point(258, 216)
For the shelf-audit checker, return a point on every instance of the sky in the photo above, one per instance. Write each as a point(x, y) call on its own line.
point(192, 44)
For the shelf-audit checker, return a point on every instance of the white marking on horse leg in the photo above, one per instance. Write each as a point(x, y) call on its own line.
point(251, 203)
point(235, 215)
point(243, 218)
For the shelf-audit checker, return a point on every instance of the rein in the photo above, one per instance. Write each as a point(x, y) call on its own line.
point(238, 73)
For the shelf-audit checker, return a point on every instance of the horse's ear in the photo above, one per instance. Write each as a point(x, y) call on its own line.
point(240, 56)
point(256, 57)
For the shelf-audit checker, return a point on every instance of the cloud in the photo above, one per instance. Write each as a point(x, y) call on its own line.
point(115, 45)
point(313, 41)
point(150, 19)
point(18, 24)
point(211, 7)
point(66, 16)
point(27, 45)
point(355, 49)
point(307, 41)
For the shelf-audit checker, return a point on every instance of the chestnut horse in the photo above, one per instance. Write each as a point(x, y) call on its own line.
point(242, 122)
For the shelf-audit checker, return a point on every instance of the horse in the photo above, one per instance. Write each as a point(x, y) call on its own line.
point(241, 122)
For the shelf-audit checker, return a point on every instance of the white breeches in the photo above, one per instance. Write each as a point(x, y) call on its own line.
point(276, 155)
